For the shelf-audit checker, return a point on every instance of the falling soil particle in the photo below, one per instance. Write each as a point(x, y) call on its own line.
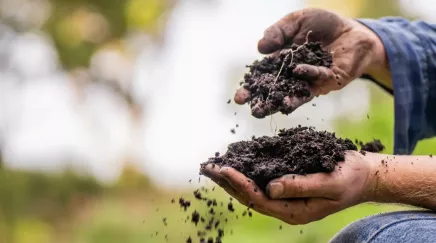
point(230, 207)
point(228, 102)
point(185, 204)
point(197, 195)
point(374, 146)
point(300, 150)
point(209, 203)
point(272, 79)
point(195, 217)
point(233, 131)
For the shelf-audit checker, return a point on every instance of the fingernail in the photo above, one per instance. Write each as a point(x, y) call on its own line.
point(275, 189)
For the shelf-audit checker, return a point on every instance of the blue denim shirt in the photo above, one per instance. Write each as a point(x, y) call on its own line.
point(411, 51)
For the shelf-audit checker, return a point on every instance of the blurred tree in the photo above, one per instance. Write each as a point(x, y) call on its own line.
point(132, 179)
point(92, 41)
point(82, 29)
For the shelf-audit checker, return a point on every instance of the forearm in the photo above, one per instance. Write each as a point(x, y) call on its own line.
point(403, 179)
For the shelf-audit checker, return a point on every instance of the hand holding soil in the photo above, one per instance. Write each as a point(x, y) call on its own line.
point(354, 50)
point(306, 174)
point(300, 199)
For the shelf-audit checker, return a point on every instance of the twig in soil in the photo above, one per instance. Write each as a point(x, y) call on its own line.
point(292, 56)
point(274, 131)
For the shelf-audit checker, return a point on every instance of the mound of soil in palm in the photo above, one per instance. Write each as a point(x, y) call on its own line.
point(300, 150)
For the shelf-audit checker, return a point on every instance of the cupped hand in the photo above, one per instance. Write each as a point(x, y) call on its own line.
point(353, 46)
point(298, 199)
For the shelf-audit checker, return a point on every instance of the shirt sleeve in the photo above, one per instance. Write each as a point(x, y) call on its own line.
point(411, 50)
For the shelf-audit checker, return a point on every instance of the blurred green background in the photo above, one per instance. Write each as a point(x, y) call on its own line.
point(74, 207)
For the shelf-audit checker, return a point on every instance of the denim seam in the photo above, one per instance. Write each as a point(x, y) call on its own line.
point(372, 237)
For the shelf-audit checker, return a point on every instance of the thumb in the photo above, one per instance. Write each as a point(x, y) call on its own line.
point(299, 186)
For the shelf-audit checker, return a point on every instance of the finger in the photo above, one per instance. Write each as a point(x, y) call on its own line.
point(314, 209)
point(313, 74)
point(282, 32)
point(240, 183)
point(297, 186)
point(252, 196)
point(300, 211)
point(242, 96)
point(290, 104)
point(213, 172)
point(262, 109)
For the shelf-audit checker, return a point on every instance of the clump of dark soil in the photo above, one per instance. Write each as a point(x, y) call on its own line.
point(300, 150)
point(374, 146)
point(271, 79)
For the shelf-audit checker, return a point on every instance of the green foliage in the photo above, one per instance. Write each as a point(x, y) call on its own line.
point(80, 27)
point(40, 195)
point(378, 9)
point(132, 179)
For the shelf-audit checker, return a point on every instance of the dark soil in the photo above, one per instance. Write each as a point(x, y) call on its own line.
point(374, 146)
point(300, 150)
point(268, 86)
point(185, 204)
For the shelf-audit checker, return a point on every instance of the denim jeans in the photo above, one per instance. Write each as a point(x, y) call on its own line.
point(394, 227)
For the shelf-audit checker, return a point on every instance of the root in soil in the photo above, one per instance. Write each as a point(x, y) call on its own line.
point(300, 150)
point(271, 79)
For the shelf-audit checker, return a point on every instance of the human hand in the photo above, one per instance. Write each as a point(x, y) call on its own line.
point(298, 199)
point(354, 48)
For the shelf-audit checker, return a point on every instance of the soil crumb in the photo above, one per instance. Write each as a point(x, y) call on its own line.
point(374, 146)
point(195, 217)
point(300, 150)
point(271, 79)
point(185, 204)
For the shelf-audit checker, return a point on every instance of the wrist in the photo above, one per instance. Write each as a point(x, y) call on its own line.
point(372, 187)
point(378, 66)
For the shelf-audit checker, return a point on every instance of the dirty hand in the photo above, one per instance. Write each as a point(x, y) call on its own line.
point(297, 199)
point(354, 48)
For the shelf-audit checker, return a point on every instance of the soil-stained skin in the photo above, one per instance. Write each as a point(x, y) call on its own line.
point(270, 80)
